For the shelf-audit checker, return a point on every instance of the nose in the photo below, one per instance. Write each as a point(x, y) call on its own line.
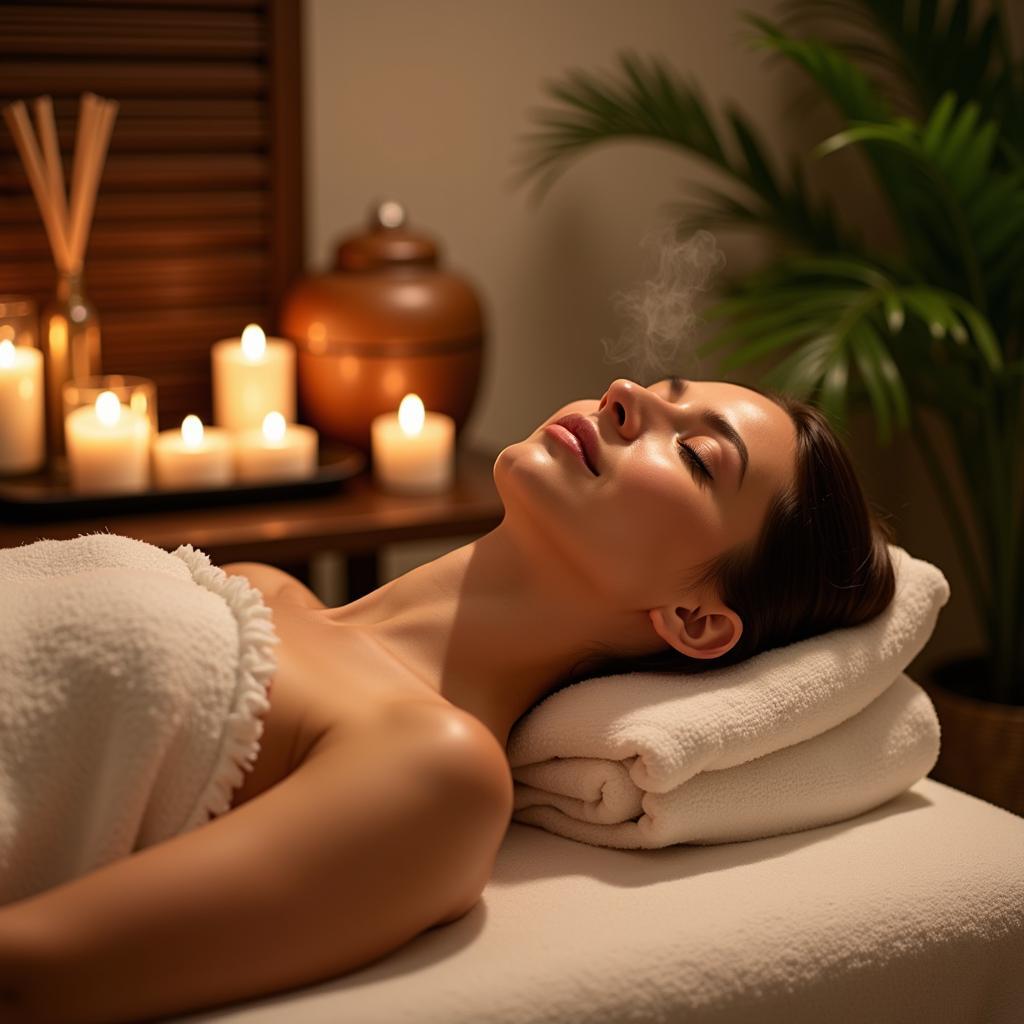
point(625, 404)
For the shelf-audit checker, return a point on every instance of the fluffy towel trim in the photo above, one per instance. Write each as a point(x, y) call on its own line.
point(240, 743)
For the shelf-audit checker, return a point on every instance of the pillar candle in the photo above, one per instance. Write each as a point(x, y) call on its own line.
point(22, 432)
point(192, 457)
point(413, 450)
point(278, 451)
point(108, 447)
point(252, 375)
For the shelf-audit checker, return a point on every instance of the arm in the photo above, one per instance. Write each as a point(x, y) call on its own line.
point(371, 841)
point(274, 583)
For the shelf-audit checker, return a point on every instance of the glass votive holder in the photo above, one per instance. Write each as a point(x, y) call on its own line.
point(22, 388)
point(109, 423)
point(22, 420)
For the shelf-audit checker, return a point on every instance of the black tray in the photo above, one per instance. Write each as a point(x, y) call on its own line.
point(48, 496)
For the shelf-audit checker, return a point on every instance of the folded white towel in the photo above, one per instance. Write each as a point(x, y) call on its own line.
point(132, 682)
point(787, 740)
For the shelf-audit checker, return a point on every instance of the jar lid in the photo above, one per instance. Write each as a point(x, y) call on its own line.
point(387, 242)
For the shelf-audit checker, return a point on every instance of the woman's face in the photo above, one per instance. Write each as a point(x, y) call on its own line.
point(649, 516)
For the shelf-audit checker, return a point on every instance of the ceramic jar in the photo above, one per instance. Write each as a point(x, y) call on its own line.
point(386, 321)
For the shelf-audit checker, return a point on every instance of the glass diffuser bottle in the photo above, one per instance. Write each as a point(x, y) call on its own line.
point(70, 340)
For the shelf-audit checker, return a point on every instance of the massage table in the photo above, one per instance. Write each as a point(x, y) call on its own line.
point(912, 913)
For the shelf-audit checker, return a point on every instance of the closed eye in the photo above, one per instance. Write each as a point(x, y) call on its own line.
point(700, 467)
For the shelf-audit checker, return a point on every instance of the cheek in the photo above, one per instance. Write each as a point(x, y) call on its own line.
point(655, 516)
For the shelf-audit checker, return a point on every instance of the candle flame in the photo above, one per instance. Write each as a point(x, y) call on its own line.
point(192, 431)
point(411, 415)
point(273, 428)
point(6, 354)
point(108, 409)
point(254, 343)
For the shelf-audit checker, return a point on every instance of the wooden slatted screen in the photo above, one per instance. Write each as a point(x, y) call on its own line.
point(198, 226)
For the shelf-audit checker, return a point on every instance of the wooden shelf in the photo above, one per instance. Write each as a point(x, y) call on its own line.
point(357, 520)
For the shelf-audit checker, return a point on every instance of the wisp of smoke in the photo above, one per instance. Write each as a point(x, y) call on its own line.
point(662, 312)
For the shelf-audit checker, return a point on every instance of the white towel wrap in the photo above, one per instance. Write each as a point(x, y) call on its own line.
point(132, 685)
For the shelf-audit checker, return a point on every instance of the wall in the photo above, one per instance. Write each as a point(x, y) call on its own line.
point(426, 103)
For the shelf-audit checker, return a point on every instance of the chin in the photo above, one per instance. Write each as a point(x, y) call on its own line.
point(531, 479)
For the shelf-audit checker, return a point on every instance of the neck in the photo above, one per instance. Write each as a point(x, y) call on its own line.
point(494, 626)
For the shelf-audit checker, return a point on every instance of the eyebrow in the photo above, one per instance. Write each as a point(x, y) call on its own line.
point(715, 421)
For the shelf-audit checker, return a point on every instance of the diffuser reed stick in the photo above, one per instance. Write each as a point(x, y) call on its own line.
point(67, 223)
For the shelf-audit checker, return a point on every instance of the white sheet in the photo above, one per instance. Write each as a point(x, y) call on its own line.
point(912, 912)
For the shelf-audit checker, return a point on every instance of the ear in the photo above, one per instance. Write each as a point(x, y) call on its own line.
point(703, 631)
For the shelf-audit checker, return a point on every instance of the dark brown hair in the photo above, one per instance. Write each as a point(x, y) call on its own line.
point(820, 562)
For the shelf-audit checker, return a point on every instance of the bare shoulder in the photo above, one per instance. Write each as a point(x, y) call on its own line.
point(455, 751)
point(442, 759)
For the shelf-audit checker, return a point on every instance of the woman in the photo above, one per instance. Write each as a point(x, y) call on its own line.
point(693, 521)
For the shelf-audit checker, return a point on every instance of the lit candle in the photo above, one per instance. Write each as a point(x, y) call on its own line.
point(108, 446)
point(277, 451)
point(413, 450)
point(252, 376)
point(192, 457)
point(22, 434)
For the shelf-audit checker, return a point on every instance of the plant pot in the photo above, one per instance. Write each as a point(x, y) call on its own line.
point(982, 751)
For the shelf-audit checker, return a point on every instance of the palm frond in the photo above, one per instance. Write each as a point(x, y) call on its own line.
point(934, 50)
point(854, 94)
point(838, 315)
point(648, 101)
point(963, 205)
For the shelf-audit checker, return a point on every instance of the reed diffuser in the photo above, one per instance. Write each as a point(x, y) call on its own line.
point(70, 328)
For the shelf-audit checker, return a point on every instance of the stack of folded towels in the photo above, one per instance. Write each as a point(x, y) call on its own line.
point(794, 738)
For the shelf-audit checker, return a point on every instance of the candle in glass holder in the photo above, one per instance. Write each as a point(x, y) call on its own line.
point(278, 451)
point(192, 457)
point(22, 433)
point(413, 450)
point(252, 375)
point(108, 447)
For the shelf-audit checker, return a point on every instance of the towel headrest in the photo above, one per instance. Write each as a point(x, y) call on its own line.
point(781, 696)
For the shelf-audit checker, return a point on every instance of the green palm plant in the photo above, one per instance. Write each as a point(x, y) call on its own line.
point(935, 100)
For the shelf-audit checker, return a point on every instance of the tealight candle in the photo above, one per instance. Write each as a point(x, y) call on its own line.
point(413, 450)
point(22, 431)
point(108, 446)
point(192, 457)
point(252, 375)
point(277, 451)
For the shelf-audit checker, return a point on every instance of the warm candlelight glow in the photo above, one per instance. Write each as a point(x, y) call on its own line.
point(22, 436)
point(273, 427)
point(252, 374)
point(413, 450)
point(107, 441)
point(254, 343)
point(411, 415)
point(193, 457)
point(192, 432)
point(108, 409)
point(276, 451)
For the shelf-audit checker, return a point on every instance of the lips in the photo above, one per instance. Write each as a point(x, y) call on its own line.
point(585, 432)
